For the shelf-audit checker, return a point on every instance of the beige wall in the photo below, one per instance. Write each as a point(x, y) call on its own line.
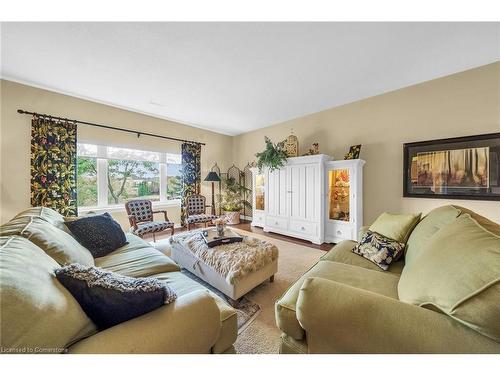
point(462, 104)
point(467, 103)
point(15, 139)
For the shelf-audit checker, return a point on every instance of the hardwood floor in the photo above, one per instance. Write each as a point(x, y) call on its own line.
point(245, 225)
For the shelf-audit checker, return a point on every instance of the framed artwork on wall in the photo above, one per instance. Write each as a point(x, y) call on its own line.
point(453, 168)
point(353, 152)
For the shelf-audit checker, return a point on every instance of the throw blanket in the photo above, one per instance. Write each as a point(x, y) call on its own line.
point(233, 260)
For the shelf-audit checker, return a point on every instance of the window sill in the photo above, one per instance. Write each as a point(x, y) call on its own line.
point(121, 207)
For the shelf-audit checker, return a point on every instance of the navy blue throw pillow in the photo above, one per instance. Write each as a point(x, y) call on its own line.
point(109, 298)
point(100, 234)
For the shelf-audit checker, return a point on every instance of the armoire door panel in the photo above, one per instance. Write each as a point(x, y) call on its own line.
point(295, 191)
point(276, 191)
point(271, 202)
point(282, 193)
point(302, 193)
point(311, 193)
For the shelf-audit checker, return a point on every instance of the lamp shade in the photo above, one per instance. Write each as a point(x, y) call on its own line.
point(212, 177)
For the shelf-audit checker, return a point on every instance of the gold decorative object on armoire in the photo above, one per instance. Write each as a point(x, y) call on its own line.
point(291, 145)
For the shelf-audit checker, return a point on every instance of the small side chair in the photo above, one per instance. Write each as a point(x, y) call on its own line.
point(140, 215)
point(196, 211)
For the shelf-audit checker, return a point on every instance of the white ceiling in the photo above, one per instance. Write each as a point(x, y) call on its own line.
point(235, 77)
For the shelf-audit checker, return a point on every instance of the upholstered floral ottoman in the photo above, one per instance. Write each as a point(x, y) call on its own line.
point(234, 269)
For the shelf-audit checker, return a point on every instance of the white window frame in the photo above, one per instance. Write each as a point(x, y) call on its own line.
point(102, 184)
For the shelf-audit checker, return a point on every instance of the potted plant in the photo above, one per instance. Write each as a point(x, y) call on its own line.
point(232, 200)
point(273, 157)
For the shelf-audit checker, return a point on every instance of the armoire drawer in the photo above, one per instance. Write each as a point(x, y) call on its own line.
point(258, 217)
point(340, 231)
point(310, 229)
point(277, 222)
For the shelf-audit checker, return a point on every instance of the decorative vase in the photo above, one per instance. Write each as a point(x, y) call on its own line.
point(232, 217)
point(220, 224)
point(291, 146)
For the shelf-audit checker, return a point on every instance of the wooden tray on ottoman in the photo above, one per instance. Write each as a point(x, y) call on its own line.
point(213, 239)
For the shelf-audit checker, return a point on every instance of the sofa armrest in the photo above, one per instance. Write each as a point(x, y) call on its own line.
point(191, 324)
point(342, 319)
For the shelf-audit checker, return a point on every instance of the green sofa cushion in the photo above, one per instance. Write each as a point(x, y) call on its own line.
point(484, 222)
point(48, 214)
point(137, 259)
point(57, 243)
point(426, 228)
point(36, 310)
point(458, 272)
point(394, 226)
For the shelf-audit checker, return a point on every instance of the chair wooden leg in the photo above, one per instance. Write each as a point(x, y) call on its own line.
point(206, 224)
point(154, 238)
point(173, 229)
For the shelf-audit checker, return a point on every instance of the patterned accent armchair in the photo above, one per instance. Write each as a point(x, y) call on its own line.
point(140, 215)
point(196, 210)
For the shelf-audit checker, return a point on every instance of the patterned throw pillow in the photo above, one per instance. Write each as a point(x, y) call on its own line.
point(109, 298)
point(100, 234)
point(379, 249)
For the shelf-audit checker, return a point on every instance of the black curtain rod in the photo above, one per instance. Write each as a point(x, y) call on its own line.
point(139, 133)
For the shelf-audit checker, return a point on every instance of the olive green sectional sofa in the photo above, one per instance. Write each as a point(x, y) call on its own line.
point(38, 315)
point(443, 297)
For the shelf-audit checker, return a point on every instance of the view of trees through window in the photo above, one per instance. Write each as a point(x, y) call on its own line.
point(174, 188)
point(128, 173)
point(133, 179)
point(86, 182)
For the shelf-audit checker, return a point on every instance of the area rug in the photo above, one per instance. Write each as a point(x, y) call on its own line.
point(261, 335)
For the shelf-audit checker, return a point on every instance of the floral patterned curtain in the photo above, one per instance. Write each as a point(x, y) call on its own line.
point(53, 165)
point(191, 174)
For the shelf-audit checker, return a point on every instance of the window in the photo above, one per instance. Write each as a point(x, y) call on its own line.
point(129, 179)
point(174, 188)
point(86, 182)
point(86, 178)
point(108, 176)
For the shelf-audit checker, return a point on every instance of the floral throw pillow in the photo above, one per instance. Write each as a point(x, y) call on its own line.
point(379, 249)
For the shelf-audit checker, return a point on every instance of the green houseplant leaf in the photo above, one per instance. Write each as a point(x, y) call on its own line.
point(273, 157)
point(233, 196)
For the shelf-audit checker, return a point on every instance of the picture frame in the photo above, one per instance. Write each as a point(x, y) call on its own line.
point(353, 152)
point(453, 168)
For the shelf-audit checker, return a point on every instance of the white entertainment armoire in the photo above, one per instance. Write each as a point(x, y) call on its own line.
point(290, 200)
point(296, 200)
